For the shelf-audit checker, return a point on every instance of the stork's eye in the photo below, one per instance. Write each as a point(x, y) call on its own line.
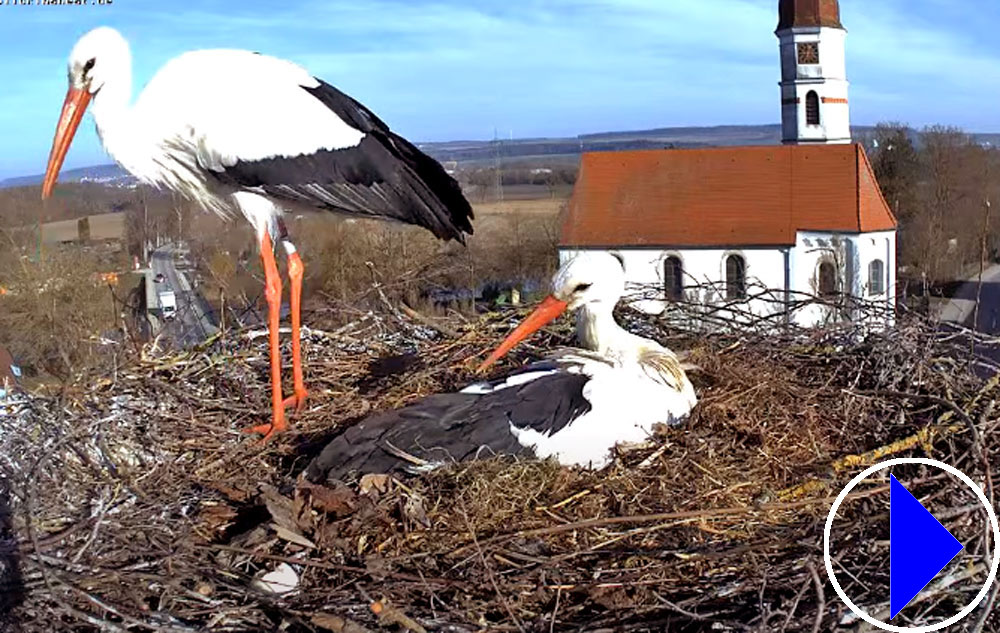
point(90, 64)
point(581, 287)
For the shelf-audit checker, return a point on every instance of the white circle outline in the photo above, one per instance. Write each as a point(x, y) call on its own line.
point(926, 462)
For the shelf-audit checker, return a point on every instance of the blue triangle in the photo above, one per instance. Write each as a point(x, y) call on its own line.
point(919, 547)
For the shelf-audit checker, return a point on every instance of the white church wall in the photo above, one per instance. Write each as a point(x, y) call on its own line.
point(851, 255)
point(832, 53)
point(881, 246)
point(811, 250)
point(705, 274)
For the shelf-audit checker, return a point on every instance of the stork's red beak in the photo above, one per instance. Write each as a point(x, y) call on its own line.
point(543, 314)
point(72, 113)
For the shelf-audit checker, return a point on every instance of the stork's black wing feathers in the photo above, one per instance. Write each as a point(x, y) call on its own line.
point(383, 176)
point(453, 427)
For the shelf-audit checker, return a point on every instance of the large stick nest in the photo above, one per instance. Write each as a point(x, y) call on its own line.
point(135, 503)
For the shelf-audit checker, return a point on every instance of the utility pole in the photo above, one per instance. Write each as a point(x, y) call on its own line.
point(496, 166)
point(982, 267)
point(38, 248)
point(145, 228)
point(982, 254)
point(114, 304)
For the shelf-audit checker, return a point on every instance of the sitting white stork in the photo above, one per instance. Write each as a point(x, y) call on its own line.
point(575, 406)
point(236, 129)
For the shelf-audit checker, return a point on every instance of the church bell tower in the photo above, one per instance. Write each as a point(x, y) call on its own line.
point(814, 105)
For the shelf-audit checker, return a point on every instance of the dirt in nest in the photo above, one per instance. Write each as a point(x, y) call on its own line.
point(137, 504)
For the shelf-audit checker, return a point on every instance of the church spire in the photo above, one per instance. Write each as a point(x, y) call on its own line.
point(814, 106)
point(792, 13)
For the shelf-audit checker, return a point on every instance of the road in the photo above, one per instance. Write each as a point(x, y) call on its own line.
point(193, 323)
point(960, 308)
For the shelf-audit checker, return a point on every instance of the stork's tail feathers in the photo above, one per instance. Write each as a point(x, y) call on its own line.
point(414, 438)
point(426, 194)
point(354, 449)
point(438, 190)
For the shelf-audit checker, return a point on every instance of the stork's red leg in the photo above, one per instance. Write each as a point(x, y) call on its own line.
point(295, 272)
point(272, 293)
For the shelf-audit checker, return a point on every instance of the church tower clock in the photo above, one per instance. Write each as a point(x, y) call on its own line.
point(814, 105)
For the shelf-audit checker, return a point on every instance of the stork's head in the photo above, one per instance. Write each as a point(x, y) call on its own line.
point(96, 56)
point(589, 279)
point(93, 56)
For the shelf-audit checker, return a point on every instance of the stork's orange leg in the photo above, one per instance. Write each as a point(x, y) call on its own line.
point(272, 293)
point(295, 271)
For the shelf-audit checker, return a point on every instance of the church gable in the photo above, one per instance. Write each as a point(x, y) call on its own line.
point(874, 211)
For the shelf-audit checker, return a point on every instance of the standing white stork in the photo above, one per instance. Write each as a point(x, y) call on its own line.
point(236, 129)
point(575, 406)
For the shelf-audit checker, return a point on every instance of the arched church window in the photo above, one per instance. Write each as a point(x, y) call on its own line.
point(736, 278)
point(876, 277)
point(827, 279)
point(673, 277)
point(812, 108)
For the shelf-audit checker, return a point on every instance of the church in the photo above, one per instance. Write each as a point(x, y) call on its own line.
point(759, 229)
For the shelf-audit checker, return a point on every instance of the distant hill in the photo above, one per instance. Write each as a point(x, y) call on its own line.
point(563, 149)
point(661, 138)
point(721, 135)
point(111, 175)
point(658, 138)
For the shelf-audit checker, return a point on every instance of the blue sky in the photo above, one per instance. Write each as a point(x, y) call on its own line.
point(454, 69)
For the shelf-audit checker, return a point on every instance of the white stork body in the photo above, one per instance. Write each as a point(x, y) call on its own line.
point(204, 112)
point(234, 129)
point(574, 407)
point(213, 123)
point(625, 401)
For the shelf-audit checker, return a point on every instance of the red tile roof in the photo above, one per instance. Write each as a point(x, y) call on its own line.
point(751, 196)
point(792, 13)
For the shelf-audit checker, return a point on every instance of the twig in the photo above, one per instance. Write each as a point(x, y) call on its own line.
point(667, 516)
point(555, 610)
point(337, 624)
point(986, 609)
point(820, 597)
point(419, 318)
point(489, 569)
point(331, 566)
point(389, 615)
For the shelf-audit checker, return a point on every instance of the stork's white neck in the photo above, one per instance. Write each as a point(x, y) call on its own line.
point(597, 330)
point(112, 111)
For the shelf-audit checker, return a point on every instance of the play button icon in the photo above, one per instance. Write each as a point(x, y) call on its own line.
point(919, 546)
